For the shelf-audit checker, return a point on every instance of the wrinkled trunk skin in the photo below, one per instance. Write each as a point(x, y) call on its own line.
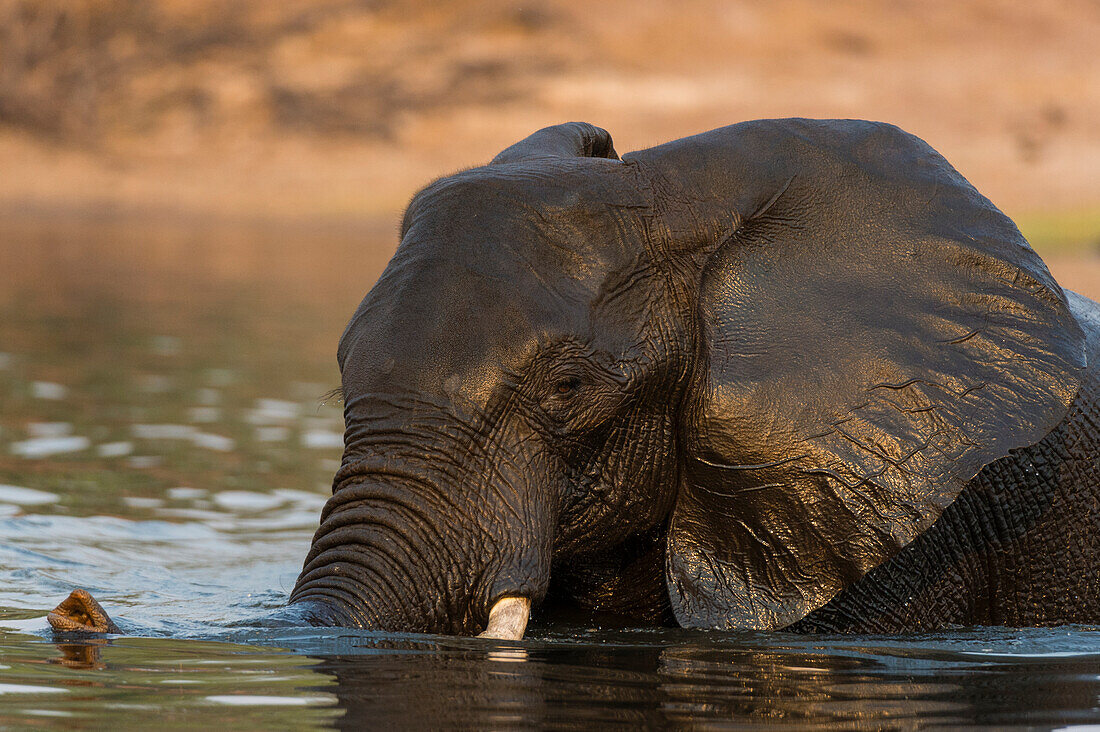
point(413, 540)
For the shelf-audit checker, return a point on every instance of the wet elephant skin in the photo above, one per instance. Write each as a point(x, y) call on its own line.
point(788, 373)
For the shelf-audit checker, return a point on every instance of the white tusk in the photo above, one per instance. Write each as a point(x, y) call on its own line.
point(508, 619)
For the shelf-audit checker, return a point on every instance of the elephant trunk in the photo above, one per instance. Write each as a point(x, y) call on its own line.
point(413, 550)
point(365, 566)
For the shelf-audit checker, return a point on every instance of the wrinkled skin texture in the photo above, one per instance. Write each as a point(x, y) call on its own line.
point(80, 613)
point(788, 373)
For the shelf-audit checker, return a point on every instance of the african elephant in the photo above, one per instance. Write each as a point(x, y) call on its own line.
point(784, 374)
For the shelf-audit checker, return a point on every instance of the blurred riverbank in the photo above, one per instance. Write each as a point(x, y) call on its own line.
point(336, 111)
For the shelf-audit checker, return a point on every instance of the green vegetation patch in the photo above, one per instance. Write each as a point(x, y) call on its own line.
point(1062, 233)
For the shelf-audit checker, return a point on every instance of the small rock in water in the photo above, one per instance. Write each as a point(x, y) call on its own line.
point(5, 361)
point(40, 447)
point(26, 496)
point(48, 390)
point(143, 462)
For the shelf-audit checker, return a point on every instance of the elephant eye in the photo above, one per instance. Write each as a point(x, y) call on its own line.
point(567, 386)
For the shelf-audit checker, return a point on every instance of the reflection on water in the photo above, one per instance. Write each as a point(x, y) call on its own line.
point(661, 678)
point(139, 683)
point(163, 444)
point(664, 678)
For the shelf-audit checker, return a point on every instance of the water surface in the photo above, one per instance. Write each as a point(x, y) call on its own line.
point(164, 443)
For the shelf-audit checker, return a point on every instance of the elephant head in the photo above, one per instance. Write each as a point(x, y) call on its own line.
point(781, 348)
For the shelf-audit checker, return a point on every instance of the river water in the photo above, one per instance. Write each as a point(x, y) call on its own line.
point(165, 444)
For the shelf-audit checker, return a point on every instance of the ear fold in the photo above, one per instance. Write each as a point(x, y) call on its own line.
point(572, 139)
point(872, 333)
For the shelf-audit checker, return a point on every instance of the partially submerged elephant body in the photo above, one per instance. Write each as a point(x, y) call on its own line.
point(788, 373)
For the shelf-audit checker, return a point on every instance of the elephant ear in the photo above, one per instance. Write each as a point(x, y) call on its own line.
point(572, 139)
point(872, 332)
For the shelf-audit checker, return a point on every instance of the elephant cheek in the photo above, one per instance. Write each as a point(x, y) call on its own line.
point(635, 492)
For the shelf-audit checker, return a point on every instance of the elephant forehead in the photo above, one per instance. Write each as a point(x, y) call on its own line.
point(492, 266)
point(443, 328)
point(560, 217)
point(441, 318)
